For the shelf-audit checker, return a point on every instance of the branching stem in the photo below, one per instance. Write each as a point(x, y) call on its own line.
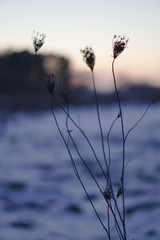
point(123, 145)
point(99, 122)
point(108, 143)
point(83, 133)
point(76, 170)
point(135, 125)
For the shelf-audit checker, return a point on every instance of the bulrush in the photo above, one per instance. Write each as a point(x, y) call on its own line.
point(119, 44)
point(88, 57)
point(38, 40)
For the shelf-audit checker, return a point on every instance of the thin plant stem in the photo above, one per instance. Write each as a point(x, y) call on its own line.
point(69, 132)
point(61, 134)
point(123, 146)
point(76, 170)
point(83, 133)
point(135, 125)
point(38, 70)
point(116, 220)
point(102, 139)
point(69, 117)
point(116, 224)
point(37, 67)
point(80, 156)
point(99, 122)
point(73, 162)
point(108, 216)
point(90, 172)
point(109, 149)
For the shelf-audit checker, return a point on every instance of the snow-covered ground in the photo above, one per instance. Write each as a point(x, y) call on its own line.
point(40, 196)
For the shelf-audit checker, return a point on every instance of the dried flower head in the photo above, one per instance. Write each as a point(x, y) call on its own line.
point(38, 40)
point(50, 83)
point(120, 191)
point(108, 193)
point(119, 44)
point(88, 57)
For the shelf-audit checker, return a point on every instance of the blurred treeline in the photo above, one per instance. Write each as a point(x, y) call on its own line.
point(21, 86)
point(20, 82)
point(18, 73)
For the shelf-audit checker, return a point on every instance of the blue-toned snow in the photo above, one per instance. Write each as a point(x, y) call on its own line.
point(40, 196)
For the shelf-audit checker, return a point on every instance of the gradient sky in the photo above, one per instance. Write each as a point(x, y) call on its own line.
point(73, 24)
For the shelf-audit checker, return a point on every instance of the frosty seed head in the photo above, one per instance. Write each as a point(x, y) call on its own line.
point(119, 44)
point(88, 57)
point(108, 193)
point(38, 40)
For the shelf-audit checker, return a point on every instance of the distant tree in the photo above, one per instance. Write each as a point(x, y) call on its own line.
point(19, 75)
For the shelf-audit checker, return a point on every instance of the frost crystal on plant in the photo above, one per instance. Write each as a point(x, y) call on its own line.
point(38, 40)
point(119, 44)
point(88, 57)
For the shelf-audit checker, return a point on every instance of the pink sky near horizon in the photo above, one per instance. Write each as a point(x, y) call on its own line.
point(72, 25)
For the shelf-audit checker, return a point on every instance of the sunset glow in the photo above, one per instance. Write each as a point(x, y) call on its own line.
point(72, 25)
